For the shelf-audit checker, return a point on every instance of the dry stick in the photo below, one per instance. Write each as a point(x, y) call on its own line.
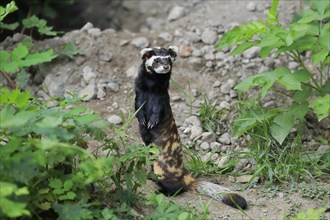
point(9, 80)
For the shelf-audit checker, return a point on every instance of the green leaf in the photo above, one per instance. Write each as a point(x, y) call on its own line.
point(265, 51)
point(10, 27)
point(321, 106)
point(243, 46)
point(308, 16)
point(40, 24)
point(302, 95)
point(10, 8)
point(55, 183)
point(299, 110)
point(22, 79)
point(71, 50)
point(281, 126)
point(37, 58)
point(321, 6)
point(320, 56)
point(302, 75)
point(19, 52)
point(272, 13)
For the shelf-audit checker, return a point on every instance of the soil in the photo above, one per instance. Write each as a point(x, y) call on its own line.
point(189, 73)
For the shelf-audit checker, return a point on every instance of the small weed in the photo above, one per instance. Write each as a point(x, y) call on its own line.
point(209, 115)
point(313, 214)
point(313, 191)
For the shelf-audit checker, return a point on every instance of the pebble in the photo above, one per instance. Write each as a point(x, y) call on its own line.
point(205, 146)
point(113, 86)
point(206, 156)
point(195, 132)
point(176, 98)
point(87, 26)
point(224, 105)
point(244, 178)
point(225, 138)
point(208, 137)
point(115, 119)
point(197, 53)
point(251, 6)
point(215, 146)
point(216, 84)
point(251, 52)
point(88, 74)
point(88, 92)
point(209, 37)
point(220, 55)
point(293, 65)
point(101, 93)
point(223, 161)
point(225, 88)
point(132, 72)
point(140, 42)
point(193, 120)
point(185, 51)
point(106, 57)
point(209, 56)
point(193, 37)
point(95, 32)
point(166, 36)
point(209, 64)
point(323, 149)
point(176, 13)
point(154, 23)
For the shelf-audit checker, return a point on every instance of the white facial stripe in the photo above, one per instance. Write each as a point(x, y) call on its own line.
point(160, 69)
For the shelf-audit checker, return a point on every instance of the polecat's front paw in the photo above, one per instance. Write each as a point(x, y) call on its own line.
point(153, 121)
point(142, 120)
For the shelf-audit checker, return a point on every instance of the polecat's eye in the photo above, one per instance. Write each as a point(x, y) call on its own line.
point(157, 60)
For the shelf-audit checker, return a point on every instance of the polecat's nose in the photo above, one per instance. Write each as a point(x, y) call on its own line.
point(166, 66)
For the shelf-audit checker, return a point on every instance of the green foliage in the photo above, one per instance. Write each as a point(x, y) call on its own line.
point(309, 33)
point(311, 214)
point(40, 24)
point(209, 115)
point(278, 152)
point(10, 8)
point(20, 57)
point(45, 166)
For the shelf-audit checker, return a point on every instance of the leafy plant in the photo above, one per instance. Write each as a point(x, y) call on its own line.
point(311, 214)
point(209, 115)
point(40, 24)
point(10, 8)
point(308, 92)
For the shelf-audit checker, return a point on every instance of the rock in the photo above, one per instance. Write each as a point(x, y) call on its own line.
point(193, 120)
point(205, 146)
point(115, 119)
point(123, 42)
point(251, 52)
point(251, 6)
point(176, 98)
point(197, 53)
point(106, 57)
point(244, 178)
point(225, 88)
point(88, 92)
point(293, 65)
point(223, 161)
point(176, 13)
point(216, 84)
point(224, 105)
point(101, 93)
point(225, 138)
point(154, 23)
point(209, 64)
point(88, 74)
point(209, 56)
point(140, 42)
point(87, 26)
point(166, 36)
point(208, 136)
point(231, 83)
point(206, 156)
point(185, 51)
point(323, 149)
point(220, 55)
point(95, 32)
point(54, 84)
point(195, 132)
point(113, 86)
point(209, 37)
point(132, 71)
point(193, 37)
point(42, 94)
point(269, 62)
point(215, 146)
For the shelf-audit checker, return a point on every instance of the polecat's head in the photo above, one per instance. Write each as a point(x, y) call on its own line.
point(159, 60)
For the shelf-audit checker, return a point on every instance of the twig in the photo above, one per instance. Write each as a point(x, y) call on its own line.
point(9, 80)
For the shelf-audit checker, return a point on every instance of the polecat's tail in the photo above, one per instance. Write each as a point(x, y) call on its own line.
point(221, 194)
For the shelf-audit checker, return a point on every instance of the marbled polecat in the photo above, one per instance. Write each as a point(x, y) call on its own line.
point(157, 126)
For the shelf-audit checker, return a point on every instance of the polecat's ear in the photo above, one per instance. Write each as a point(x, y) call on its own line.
point(173, 50)
point(146, 53)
